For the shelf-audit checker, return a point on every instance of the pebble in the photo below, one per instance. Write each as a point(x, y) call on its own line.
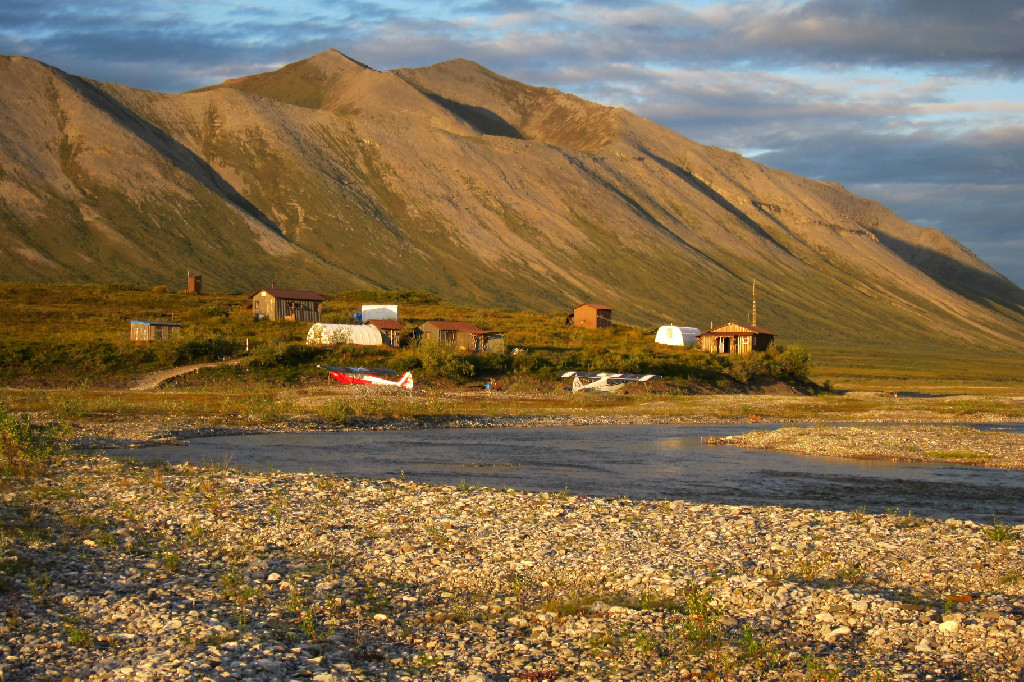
point(121, 572)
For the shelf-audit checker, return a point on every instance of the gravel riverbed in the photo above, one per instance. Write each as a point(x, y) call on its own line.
point(115, 571)
point(948, 444)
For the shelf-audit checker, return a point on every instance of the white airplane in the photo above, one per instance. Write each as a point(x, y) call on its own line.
point(606, 382)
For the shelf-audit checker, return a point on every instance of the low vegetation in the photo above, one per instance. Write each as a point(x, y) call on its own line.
point(27, 450)
point(65, 335)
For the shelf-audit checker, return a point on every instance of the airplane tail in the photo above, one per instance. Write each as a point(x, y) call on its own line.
point(577, 384)
point(406, 381)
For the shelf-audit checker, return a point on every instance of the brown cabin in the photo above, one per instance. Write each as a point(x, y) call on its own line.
point(144, 332)
point(592, 316)
point(736, 339)
point(390, 331)
point(463, 335)
point(286, 304)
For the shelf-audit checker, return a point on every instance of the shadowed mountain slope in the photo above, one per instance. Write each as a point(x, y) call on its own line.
point(327, 174)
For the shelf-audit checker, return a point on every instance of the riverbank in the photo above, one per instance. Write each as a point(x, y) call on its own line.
point(121, 572)
point(895, 442)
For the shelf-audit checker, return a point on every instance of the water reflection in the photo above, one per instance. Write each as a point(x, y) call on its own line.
point(640, 462)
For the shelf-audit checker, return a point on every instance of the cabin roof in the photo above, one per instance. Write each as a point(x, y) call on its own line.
point(291, 294)
point(733, 328)
point(469, 327)
point(162, 324)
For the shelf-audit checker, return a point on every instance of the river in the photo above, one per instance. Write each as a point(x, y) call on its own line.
point(654, 462)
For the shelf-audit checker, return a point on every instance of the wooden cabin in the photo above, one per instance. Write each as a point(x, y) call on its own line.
point(287, 304)
point(144, 332)
point(736, 339)
point(592, 316)
point(462, 335)
point(390, 331)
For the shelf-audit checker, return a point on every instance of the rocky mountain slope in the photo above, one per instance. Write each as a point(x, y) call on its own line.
point(327, 174)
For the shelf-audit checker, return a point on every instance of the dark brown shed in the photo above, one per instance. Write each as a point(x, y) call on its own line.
point(390, 330)
point(287, 304)
point(463, 335)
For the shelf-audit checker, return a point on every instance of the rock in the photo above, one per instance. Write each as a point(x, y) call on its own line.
point(838, 632)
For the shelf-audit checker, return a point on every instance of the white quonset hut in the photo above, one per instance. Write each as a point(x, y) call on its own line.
point(333, 334)
point(671, 335)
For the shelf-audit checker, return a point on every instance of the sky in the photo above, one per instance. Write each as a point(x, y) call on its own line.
point(917, 104)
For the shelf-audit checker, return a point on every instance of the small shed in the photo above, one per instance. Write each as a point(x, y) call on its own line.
point(671, 335)
point(333, 334)
point(463, 335)
point(390, 331)
point(736, 339)
point(378, 311)
point(287, 304)
point(592, 316)
point(144, 332)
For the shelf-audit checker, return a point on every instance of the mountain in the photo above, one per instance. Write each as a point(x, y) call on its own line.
point(330, 175)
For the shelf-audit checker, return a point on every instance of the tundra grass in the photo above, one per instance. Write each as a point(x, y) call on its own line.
point(77, 336)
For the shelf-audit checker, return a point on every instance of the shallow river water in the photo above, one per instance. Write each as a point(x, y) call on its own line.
point(655, 462)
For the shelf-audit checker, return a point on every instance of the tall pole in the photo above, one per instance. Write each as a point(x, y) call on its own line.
point(754, 314)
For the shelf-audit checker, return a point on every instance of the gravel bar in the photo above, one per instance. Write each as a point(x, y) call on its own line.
point(117, 571)
point(897, 442)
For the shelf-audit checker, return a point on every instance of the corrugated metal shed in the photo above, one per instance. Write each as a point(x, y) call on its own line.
point(144, 331)
point(671, 335)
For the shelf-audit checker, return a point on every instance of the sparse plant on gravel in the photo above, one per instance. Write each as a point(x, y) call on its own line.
point(1000, 532)
point(77, 635)
point(27, 449)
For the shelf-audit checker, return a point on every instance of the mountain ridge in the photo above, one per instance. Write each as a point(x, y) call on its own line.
point(329, 174)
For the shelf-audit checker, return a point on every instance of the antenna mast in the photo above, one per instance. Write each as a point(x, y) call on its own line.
point(754, 312)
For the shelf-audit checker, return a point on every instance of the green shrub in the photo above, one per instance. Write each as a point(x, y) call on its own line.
point(791, 363)
point(283, 355)
point(26, 449)
point(443, 361)
point(796, 363)
point(491, 362)
point(527, 362)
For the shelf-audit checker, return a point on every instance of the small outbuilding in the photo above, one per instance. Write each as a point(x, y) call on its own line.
point(591, 316)
point(144, 332)
point(390, 331)
point(463, 335)
point(736, 339)
point(287, 304)
point(671, 335)
point(334, 334)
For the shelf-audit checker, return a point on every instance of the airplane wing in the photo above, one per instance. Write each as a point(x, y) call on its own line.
point(612, 377)
point(376, 371)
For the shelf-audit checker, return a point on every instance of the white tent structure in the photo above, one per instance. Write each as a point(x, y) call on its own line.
point(332, 334)
point(670, 335)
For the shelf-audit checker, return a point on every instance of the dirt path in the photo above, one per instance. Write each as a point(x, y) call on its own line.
point(154, 379)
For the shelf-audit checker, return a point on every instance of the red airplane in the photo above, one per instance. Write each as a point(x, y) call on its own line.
point(362, 375)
